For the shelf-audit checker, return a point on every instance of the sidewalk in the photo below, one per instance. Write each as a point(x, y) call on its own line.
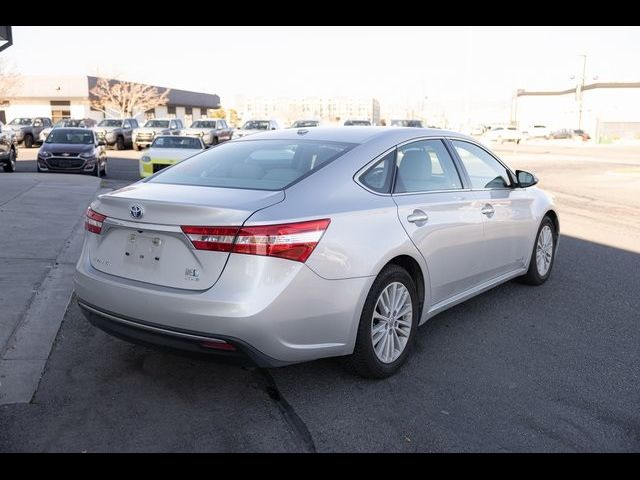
point(41, 232)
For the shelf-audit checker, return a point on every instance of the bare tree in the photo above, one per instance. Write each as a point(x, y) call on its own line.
point(8, 81)
point(125, 99)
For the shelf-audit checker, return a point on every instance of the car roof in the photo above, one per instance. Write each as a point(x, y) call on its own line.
point(166, 119)
point(177, 136)
point(79, 129)
point(353, 134)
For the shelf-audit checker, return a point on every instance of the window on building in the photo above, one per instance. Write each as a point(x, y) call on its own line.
point(150, 114)
point(188, 110)
point(60, 109)
point(171, 111)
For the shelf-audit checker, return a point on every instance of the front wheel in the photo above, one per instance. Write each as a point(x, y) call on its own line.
point(10, 166)
point(28, 141)
point(388, 325)
point(120, 143)
point(543, 254)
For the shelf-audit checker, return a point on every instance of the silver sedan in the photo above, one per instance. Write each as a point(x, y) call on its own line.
point(293, 245)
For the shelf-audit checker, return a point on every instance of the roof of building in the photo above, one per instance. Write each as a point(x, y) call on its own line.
point(592, 86)
point(184, 98)
point(78, 86)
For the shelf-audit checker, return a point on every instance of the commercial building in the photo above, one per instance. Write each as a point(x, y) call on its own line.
point(607, 111)
point(329, 110)
point(68, 97)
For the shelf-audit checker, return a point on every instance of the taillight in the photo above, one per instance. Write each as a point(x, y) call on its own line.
point(93, 222)
point(218, 239)
point(293, 241)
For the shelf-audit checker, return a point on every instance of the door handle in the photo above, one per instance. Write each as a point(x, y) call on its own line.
point(488, 210)
point(418, 216)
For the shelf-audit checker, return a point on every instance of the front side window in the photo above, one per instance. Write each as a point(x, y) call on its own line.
point(256, 165)
point(484, 170)
point(256, 125)
point(157, 124)
point(109, 122)
point(379, 177)
point(20, 121)
point(203, 124)
point(425, 166)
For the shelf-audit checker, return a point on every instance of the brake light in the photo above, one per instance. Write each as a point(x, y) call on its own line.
point(93, 222)
point(293, 241)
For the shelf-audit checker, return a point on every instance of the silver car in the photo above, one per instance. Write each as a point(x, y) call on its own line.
point(293, 245)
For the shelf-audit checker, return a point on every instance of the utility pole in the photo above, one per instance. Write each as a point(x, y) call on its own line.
point(579, 90)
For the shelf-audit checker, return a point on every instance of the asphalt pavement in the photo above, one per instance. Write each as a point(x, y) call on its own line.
point(518, 368)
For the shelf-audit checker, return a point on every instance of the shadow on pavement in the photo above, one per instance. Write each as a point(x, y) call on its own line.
point(519, 368)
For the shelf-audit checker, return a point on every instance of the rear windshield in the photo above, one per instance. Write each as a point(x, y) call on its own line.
point(253, 165)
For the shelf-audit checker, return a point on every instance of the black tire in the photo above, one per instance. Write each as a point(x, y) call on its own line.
point(214, 141)
point(120, 143)
point(364, 361)
point(104, 170)
point(96, 170)
point(533, 276)
point(10, 166)
point(28, 141)
point(136, 147)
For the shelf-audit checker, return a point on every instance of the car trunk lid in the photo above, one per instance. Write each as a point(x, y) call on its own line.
point(142, 238)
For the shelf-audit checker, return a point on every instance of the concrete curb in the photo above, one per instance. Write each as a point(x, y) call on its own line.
point(26, 353)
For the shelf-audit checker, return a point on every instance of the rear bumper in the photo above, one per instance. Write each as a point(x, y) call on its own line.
point(158, 336)
point(275, 311)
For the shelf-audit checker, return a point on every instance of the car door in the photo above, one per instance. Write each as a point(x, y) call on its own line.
point(440, 216)
point(223, 131)
point(127, 130)
point(5, 141)
point(506, 209)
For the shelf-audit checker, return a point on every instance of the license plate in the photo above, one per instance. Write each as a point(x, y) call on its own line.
point(143, 250)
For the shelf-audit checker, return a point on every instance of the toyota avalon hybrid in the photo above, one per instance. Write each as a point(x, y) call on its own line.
point(294, 245)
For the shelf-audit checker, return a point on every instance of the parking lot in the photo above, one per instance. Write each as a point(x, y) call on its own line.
point(519, 368)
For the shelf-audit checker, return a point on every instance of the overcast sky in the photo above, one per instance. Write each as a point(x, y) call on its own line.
point(448, 65)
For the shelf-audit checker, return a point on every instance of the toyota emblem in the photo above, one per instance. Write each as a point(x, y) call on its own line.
point(136, 211)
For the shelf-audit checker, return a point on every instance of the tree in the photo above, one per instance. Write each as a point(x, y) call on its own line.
point(126, 99)
point(8, 81)
point(219, 113)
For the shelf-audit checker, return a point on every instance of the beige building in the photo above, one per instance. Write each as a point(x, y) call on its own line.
point(60, 97)
point(606, 111)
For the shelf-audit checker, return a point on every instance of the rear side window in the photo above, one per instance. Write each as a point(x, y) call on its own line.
point(425, 166)
point(379, 177)
point(255, 164)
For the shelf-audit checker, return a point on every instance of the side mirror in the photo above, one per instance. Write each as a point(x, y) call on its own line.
point(526, 179)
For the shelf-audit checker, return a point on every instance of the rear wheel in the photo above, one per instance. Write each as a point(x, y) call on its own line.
point(388, 325)
point(10, 166)
point(543, 254)
point(28, 141)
